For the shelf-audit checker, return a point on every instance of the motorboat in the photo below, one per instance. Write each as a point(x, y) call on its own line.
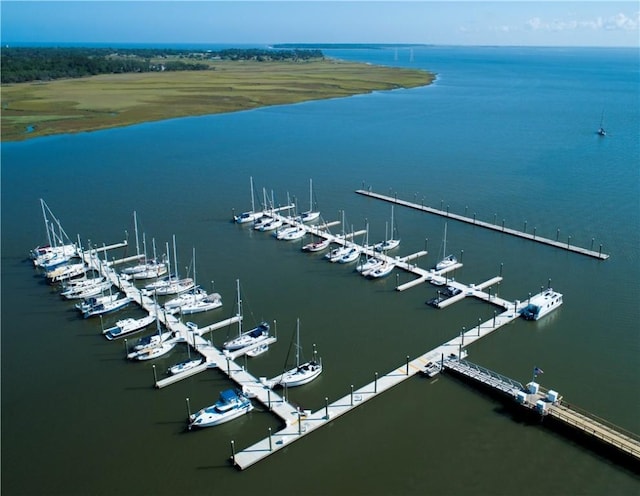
point(184, 366)
point(127, 327)
point(230, 405)
point(431, 369)
point(302, 373)
point(542, 304)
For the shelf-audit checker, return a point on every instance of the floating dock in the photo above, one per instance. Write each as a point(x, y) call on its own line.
point(548, 403)
point(494, 227)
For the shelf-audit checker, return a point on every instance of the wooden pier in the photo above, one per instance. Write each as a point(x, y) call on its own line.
point(494, 227)
point(542, 402)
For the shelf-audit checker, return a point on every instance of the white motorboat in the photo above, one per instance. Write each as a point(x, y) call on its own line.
point(302, 373)
point(184, 366)
point(127, 327)
point(448, 260)
point(111, 306)
point(231, 404)
point(542, 304)
point(251, 215)
point(431, 369)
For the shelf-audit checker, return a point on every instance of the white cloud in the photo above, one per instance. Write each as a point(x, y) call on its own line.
point(617, 22)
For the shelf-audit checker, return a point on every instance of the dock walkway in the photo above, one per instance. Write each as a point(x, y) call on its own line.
point(539, 400)
point(494, 227)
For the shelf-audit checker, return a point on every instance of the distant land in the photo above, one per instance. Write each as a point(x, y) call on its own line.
point(345, 46)
point(147, 87)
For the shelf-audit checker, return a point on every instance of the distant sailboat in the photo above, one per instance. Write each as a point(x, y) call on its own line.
point(448, 260)
point(601, 131)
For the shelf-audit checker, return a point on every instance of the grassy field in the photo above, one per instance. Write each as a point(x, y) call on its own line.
point(36, 109)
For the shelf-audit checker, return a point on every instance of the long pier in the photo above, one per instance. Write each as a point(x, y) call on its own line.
point(547, 403)
point(494, 227)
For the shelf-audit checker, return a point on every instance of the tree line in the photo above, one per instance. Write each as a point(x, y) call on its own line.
point(23, 64)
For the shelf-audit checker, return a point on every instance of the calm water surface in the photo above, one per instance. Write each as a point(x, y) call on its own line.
point(505, 133)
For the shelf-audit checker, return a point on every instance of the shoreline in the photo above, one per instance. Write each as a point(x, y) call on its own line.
point(69, 106)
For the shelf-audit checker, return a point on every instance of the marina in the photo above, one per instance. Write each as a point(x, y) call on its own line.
point(471, 139)
point(297, 422)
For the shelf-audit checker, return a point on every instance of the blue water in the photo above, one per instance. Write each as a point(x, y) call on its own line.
point(507, 134)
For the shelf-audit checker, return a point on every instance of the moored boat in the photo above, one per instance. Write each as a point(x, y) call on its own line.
point(230, 405)
point(184, 366)
point(127, 327)
point(302, 373)
point(542, 304)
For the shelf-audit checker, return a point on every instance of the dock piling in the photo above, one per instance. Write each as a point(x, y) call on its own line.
point(188, 409)
point(155, 375)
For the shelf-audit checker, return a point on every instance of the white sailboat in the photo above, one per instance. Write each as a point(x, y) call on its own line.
point(247, 338)
point(448, 260)
point(156, 345)
point(172, 284)
point(310, 215)
point(302, 373)
point(59, 245)
point(388, 243)
point(251, 215)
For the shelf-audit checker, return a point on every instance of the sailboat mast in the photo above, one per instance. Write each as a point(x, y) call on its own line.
point(175, 256)
point(444, 241)
point(135, 225)
point(310, 195)
point(239, 308)
point(46, 221)
point(297, 343)
point(253, 206)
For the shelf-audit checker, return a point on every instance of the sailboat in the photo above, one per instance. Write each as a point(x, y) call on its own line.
point(310, 215)
point(59, 246)
point(156, 345)
point(301, 373)
point(251, 215)
point(448, 260)
point(195, 301)
point(388, 243)
point(248, 338)
point(601, 131)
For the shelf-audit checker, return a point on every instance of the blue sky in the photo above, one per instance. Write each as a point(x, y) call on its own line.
point(453, 22)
